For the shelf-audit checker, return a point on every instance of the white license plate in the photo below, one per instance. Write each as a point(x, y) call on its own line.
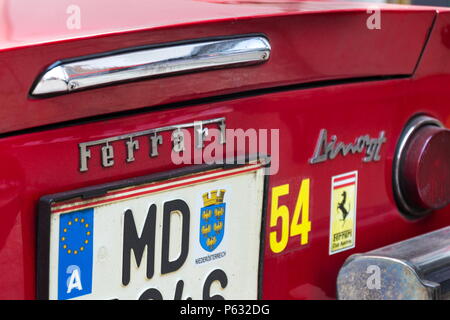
point(195, 236)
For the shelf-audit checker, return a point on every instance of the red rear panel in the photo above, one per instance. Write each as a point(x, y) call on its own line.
point(326, 71)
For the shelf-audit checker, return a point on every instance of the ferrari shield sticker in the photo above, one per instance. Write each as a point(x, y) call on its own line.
point(343, 211)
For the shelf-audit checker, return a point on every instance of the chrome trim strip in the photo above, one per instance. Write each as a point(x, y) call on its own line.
point(412, 126)
point(145, 63)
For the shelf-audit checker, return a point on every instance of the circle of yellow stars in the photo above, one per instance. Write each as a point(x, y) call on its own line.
point(63, 238)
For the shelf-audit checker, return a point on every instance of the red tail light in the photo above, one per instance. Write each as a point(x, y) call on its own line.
point(422, 167)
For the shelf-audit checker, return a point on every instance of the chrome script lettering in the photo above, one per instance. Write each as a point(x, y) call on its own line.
point(328, 150)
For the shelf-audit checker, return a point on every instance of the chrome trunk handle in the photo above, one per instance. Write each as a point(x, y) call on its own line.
point(152, 62)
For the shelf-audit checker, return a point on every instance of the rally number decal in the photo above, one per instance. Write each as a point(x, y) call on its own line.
point(280, 218)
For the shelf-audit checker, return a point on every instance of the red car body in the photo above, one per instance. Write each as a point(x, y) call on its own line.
point(327, 70)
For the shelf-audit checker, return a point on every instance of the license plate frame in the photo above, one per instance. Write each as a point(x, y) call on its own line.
point(93, 192)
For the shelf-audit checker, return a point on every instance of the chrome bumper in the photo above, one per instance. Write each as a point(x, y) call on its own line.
point(414, 269)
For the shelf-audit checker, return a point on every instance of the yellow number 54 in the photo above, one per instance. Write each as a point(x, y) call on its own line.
point(280, 215)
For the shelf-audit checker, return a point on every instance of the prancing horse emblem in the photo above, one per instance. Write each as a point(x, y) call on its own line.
point(341, 207)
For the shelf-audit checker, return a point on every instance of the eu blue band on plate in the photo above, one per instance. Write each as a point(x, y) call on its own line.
point(76, 242)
